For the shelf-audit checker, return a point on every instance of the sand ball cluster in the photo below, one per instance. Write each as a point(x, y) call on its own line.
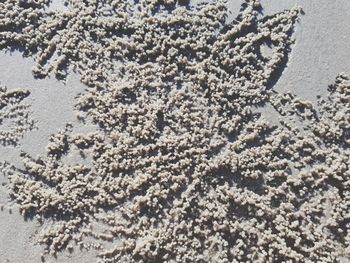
point(182, 168)
point(15, 116)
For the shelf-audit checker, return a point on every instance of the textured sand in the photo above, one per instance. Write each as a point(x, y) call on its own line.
point(319, 54)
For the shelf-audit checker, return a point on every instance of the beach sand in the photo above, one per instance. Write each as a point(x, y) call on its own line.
point(319, 54)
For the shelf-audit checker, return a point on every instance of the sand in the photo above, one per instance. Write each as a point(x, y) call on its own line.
point(314, 61)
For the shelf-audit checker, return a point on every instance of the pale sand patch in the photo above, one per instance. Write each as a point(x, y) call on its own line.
point(313, 64)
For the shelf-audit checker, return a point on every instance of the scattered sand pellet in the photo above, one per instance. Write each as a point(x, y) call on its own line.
point(15, 115)
point(182, 168)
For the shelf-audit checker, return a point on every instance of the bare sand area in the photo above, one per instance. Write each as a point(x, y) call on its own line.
point(174, 131)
